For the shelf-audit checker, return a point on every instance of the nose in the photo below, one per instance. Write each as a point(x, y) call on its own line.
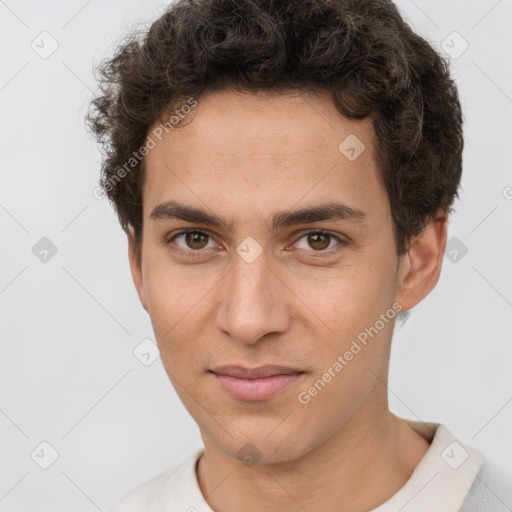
point(252, 301)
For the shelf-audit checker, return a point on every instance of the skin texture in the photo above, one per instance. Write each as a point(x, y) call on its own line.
point(243, 157)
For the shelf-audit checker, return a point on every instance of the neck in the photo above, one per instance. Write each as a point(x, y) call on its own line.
point(361, 466)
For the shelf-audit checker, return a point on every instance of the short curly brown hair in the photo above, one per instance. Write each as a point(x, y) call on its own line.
point(361, 52)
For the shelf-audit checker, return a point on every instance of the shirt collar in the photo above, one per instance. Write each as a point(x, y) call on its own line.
point(440, 482)
point(442, 479)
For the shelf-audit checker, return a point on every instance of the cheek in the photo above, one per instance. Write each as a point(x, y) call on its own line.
point(345, 299)
point(346, 306)
point(178, 307)
point(174, 291)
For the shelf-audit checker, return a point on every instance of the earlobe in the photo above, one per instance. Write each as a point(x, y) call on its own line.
point(420, 267)
point(136, 269)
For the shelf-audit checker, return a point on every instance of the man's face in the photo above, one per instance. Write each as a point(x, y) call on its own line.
point(252, 161)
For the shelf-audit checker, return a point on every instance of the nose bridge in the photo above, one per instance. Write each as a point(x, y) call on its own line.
point(250, 303)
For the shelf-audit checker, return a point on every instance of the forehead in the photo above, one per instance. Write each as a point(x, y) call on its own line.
point(267, 150)
point(272, 122)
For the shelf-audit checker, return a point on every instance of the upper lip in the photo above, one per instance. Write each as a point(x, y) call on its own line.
point(254, 373)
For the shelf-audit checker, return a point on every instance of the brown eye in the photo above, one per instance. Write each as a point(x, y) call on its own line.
point(195, 240)
point(192, 241)
point(319, 241)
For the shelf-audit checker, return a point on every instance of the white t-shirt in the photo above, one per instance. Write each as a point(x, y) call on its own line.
point(451, 477)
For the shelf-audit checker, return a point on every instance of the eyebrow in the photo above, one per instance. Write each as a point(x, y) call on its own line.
point(331, 211)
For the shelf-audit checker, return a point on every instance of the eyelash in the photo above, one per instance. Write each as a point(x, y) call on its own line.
point(200, 253)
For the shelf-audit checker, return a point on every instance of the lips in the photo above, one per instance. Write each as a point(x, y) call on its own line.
point(254, 373)
point(255, 384)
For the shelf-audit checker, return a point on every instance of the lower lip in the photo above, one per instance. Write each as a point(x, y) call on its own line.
point(256, 390)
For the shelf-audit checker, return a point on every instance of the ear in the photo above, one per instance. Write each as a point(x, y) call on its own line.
point(136, 269)
point(421, 266)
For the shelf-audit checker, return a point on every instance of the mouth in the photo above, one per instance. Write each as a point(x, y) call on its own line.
point(255, 384)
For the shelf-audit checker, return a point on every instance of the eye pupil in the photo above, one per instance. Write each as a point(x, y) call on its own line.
point(193, 240)
point(317, 244)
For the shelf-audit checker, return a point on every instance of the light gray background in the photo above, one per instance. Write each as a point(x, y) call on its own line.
point(69, 326)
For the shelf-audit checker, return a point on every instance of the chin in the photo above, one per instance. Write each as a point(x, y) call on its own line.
point(262, 443)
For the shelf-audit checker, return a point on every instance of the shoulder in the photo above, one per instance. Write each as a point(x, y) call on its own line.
point(158, 490)
point(491, 489)
point(137, 499)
